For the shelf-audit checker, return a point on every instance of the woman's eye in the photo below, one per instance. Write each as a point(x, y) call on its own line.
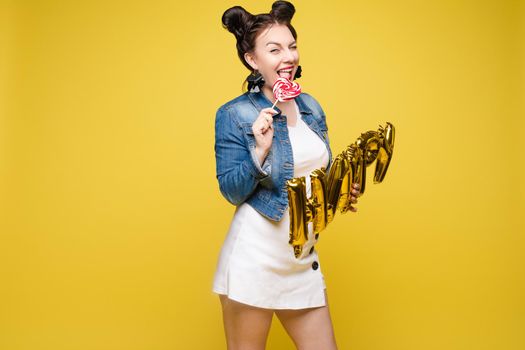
point(292, 47)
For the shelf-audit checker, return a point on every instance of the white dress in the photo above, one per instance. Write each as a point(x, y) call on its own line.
point(256, 265)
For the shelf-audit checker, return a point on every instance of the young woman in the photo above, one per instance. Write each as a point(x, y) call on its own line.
point(257, 149)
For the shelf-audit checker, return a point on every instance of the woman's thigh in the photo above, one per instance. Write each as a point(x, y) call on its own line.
point(309, 328)
point(246, 327)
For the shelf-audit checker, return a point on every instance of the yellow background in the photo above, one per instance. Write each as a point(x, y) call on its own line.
point(111, 217)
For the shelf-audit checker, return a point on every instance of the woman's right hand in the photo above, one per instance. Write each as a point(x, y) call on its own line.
point(263, 131)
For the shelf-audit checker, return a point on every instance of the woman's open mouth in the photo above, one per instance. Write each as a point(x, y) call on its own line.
point(286, 73)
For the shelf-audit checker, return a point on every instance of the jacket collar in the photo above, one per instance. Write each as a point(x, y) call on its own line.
point(260, 101)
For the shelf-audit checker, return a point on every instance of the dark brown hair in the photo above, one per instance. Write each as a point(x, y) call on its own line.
point(246, 26)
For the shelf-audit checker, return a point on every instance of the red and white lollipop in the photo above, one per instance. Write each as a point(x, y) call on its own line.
point(284, 90)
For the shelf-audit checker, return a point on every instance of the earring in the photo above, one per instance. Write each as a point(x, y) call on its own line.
point(298, 73)
point(255, 79)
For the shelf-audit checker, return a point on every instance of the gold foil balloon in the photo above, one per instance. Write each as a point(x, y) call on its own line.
point(333, 192)
point(298, 214)
point(355, 174)
point(334, 182)
point(318, 200)
point(304, 210)
point(385, 152)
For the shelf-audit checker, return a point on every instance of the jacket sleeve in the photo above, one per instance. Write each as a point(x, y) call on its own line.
point(238, 169)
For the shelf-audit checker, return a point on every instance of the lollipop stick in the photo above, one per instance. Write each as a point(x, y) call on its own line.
point(275, 103)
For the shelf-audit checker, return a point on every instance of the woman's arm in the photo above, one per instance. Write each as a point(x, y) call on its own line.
point(237, 164)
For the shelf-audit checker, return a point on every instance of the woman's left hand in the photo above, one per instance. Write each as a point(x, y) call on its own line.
point(355, 194)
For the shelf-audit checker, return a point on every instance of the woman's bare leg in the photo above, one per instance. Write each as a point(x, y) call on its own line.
point(246, 327)
point(310, 329)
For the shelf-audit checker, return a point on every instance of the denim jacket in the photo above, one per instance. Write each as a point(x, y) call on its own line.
point(241, 177)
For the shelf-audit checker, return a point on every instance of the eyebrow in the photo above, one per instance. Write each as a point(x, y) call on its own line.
point(273, 42)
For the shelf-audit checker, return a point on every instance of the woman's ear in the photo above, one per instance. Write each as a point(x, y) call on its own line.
point(249, 58)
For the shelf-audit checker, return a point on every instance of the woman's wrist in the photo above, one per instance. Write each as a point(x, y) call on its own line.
point(261, 154)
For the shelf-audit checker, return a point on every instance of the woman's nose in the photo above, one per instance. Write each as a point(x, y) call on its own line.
point(288, 56)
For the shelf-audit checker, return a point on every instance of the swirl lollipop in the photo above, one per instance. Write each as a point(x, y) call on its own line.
point(284, 90)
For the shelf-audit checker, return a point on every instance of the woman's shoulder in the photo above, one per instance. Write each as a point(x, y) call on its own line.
point(308, 98)
point(235, 102)
point(312, 102)
point(241, 108)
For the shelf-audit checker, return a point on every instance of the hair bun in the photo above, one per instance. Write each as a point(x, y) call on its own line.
point(283, 11)
point(236, 19)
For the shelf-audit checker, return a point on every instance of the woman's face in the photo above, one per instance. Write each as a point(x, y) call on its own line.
point(275, 54)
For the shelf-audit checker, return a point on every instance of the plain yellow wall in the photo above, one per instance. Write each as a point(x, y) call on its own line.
point(112, 219)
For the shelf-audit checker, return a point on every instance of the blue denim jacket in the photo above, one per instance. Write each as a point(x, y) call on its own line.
point(241, 177)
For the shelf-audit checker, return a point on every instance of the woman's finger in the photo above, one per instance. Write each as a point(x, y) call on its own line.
point(264, 124)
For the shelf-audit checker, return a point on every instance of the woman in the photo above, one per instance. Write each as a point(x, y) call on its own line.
point(257, 149)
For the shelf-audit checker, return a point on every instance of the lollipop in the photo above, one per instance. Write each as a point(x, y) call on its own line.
point(284, 90)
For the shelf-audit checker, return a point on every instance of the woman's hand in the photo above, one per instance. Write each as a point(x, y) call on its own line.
point(355, 194)
point(263, 131)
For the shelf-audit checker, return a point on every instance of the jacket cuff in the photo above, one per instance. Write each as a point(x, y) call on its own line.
point(258, 171)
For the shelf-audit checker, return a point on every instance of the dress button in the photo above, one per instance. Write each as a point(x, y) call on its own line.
point(311, 250)
point(315, 265)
